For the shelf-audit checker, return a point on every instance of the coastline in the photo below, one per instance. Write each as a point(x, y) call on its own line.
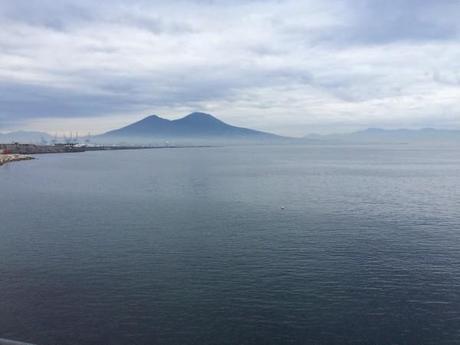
point(22, 152)
point(8, 158)
point(33, 149)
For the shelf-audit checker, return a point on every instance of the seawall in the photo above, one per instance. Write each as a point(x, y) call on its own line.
point(13, 158)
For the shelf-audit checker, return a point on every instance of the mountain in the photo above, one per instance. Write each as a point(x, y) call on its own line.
point(25, 137)
point(193, 127)
point(379, 135)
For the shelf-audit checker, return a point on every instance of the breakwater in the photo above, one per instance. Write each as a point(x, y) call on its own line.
point(20, 152)
point(13, 158)
point(30, 149)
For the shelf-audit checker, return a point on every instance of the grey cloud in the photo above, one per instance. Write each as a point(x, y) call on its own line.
point(46, 13)
point(115, 94)
point(334, 59)
point(32, 101)
point(374, 22)
point(380, 21)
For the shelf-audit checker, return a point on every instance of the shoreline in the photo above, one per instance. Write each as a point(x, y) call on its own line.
point(8, 158)
point(33, 149)
point(23, 152)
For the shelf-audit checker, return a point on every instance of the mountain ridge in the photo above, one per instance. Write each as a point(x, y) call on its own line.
point(390, 135)
point(196, 125)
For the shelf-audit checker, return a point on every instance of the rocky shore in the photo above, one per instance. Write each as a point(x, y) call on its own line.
point(13, 158)
point(31, 149)
point(21, 152)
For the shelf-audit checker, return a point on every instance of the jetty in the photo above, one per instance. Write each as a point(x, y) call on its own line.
point(20, 152)
point(7, 158)
point(31, 149)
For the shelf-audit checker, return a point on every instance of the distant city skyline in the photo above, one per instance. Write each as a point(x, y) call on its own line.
point(286, 67)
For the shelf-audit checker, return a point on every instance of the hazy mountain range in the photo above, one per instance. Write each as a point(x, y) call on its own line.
point(193, 127)
point(201, 128)
point(376, 135)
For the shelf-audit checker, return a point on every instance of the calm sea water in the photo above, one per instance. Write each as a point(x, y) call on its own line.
point(241, 245)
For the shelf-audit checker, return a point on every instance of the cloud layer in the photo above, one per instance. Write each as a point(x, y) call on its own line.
point(291, 67)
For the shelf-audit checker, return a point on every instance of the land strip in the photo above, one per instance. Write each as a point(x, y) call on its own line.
point(13, 158)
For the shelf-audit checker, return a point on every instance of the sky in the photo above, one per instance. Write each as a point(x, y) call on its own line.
point(288, 67)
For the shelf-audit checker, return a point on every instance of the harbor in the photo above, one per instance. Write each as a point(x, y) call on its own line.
point(31, 149)
point(34, 149)
point(20, 152)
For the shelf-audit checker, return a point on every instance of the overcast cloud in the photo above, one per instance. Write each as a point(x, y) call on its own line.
point(291, 67)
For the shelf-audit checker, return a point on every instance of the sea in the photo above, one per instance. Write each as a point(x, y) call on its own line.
point(288, 244)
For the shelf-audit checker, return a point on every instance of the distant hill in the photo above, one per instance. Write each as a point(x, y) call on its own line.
point(25, 137)
point(193, 127)
point(376, 135)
